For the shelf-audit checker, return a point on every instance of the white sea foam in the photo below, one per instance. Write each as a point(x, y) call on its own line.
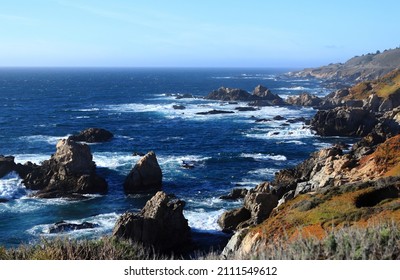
point(104, 222)
point(52, 140)
point(114, 160)
point(264, 172)
point(296, 142)
point(203, 220)
point(34, 158)
point(294, 88)
point(260, 156)
point(297, 133)
point(11, 187)
point(94, 109)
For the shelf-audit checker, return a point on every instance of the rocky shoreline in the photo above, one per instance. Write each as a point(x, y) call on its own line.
point(366, 174)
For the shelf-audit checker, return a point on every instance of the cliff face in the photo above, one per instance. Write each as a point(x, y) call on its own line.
point(335, 188)
point(358, 68)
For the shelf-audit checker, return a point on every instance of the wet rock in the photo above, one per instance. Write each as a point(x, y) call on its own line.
point(178, 107)
point(146, 175)
point(229, 94)
point(215, 112)
point(246, 109)
point(61, 227)
point(7, 165)
point(92, 135)
point(160, 223)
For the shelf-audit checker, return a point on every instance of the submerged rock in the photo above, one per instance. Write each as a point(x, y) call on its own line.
point(92, 135)
point(146, 175)
point(160, 223)
point(63, 226)
point(215, 112)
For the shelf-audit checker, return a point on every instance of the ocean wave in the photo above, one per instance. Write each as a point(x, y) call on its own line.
point(294, 88)
point(34, 158)
point(266, 173)
point(298, 133)
point(203, 220)
point(260, 156)
point(52, 140)
point(114, 160)
point(105, 223)
point(11, 187)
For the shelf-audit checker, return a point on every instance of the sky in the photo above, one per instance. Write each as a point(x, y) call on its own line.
point(189, 33)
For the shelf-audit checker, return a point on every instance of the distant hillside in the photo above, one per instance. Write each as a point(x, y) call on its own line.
point(358, 68)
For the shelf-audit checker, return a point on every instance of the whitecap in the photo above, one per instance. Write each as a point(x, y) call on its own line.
point(11, 187)
point(52, 140)
point(34, 158)
point(114, 160)
point(260, 156)
point(203, 220)
point(104, 225)
point(298, 133)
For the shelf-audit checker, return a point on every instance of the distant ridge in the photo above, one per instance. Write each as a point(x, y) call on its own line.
point(359, 68)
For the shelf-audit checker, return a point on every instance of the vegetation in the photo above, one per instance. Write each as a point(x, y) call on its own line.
point(107, 248)
point(379, 242)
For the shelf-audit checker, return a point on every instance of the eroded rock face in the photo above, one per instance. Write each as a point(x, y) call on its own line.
point(145, 176)
point(343, 121)
point(92, 135)
point(304, 99)
point(160, 224)
point(70, 171)
point(229, 94)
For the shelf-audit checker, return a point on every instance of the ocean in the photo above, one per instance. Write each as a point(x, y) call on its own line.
point(39, 106)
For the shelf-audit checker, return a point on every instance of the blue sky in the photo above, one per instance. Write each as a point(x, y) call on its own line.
point(207, 33)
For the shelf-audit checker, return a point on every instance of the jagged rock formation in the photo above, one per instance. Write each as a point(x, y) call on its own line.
point(304, 99)
point(7, 165)
point(358, 68)
point(70, 172)
point(261, 96)
point(146, 175)
point(92, 135)
point(160, 224)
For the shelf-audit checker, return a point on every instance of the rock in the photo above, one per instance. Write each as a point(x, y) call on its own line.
point(7, 165)
point(178, 107)
point(92, 135)
point(268, 102)
point(146, 175)
point(246, 109)
point(3, 200)
point(343, 121)
point(263, 92)
point(63, 226)
point(234, 243)
point(160, 224)
point(68, 172)
point(229, 94)
point(230, 220)
point(260, 205)
point(297, 120)
point(262, 120)
point(304, 99)
point(235, 194)
point(183, 96)
point(215, 112)
point(278, 118)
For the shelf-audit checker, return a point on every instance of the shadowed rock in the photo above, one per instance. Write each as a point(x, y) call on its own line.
point(92, 135)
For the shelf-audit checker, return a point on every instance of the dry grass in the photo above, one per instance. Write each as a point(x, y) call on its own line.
point(106, 248)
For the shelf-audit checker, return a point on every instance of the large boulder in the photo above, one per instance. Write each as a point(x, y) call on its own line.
point(70, 172)
point(231, 219)
point(160, 224)
point(92, 135)
point(7, 165)
point(343, 121)
point(145, 176)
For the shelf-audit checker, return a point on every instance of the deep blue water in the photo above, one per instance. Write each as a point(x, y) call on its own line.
point(40, 106)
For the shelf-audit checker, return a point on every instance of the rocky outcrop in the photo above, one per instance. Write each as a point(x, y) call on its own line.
point(258, 204)
point(92, 135)
point(160, 224)
point(261, 96)
point(146, 175)
point(70, 172)
point(7, 165)
point(304, 99)
point(235, 194)
point(229, 94)
point(343, 121)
